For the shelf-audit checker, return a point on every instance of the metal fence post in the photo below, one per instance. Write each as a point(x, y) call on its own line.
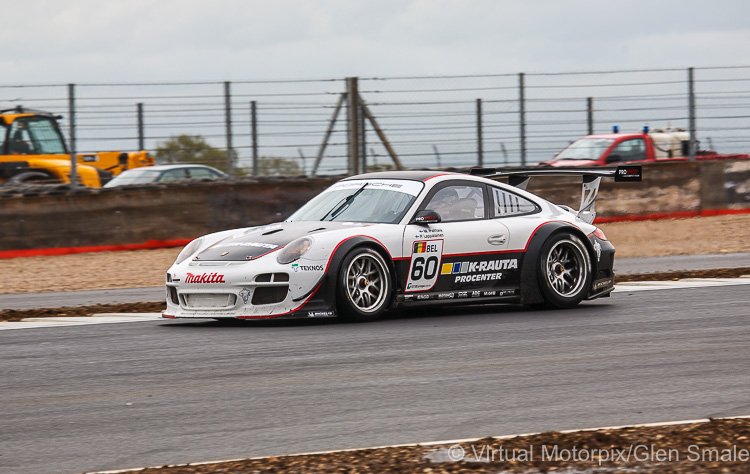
point(522, 116)
point(353, 124)
point(590, 114)
point(141, 140)
point(480, 146)
point(691, 114)
point(228, 124)
point(362, 140)
point(254, 135)
point(73, 151)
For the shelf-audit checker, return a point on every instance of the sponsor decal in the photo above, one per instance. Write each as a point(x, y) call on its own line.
point(204, 278)
point(424, 297)
point(475, 267)
point(445, 296)
point(425, 247)
point(462, 294)
point(598, 250)
point(260, 245)
point(319, 314)
point(408, 297)
point(307, 268)
point(425, 265)
point(481, 277)
point(628, 173)
point(489, 293)
point(476, 294)
point(603, 284)
point(245, 294)
point(465, 269)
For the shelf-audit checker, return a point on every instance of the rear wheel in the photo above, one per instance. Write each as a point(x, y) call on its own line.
point(33, 177)
point(364, 288)
point(564, 271)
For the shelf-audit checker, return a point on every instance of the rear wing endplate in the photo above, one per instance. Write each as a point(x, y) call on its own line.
point(591, 180)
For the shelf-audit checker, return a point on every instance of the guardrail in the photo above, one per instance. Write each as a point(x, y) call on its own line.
point(61, 220)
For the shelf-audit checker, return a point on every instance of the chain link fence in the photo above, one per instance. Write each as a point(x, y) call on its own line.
point(297, 126)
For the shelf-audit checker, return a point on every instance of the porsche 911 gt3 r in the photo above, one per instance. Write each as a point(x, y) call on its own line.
point(379, 241)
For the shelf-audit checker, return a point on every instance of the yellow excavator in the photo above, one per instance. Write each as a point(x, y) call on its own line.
point(32, 150)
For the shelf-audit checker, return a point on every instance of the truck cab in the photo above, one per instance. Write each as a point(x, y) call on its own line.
point(616, 148)
point(32, 149)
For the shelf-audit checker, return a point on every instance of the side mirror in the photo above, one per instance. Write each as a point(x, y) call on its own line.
point(613, 159)
point(425, 217)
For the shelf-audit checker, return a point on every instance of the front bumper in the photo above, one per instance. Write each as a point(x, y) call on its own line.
point(259, 289)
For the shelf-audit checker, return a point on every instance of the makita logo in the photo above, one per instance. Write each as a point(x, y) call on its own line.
point(204, 278)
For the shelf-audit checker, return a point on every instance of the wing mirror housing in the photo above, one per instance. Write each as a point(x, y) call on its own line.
point(425, 217)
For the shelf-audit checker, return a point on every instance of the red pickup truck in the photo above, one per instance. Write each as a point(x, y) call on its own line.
point(614, 148)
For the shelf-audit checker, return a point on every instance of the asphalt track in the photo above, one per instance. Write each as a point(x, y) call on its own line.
point(624, 266)
point(125, 395)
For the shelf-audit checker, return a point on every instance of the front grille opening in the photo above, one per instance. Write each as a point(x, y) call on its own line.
point(264, 278)
point(281, 277)
point(269, 294)
point(173, 295)
point(209, 300)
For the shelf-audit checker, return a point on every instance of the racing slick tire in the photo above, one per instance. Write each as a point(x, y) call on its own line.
point(564, 271)
point(364, 285)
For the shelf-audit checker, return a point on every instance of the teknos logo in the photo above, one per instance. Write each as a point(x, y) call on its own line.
point(204, 278)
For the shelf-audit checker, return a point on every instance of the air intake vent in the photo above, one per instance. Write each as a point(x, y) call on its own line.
point(272, 231)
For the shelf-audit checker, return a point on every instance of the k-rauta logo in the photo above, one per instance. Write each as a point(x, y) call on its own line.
point(204, 278)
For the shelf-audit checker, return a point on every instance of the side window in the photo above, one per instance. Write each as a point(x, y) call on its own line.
point(202, 173)
point(45, 137)
point(173, 175)
point(629, 150)
point(458, 203)
point(20, 139)
point(509, 204)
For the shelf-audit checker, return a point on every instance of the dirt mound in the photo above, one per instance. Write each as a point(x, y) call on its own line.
point(712, 446)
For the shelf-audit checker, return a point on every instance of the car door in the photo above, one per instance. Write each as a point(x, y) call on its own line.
point(462, 256)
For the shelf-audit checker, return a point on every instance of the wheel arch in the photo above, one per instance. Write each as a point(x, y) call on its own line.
point(530, 291)
point(344, 248)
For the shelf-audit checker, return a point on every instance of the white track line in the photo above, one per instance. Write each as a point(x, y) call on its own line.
point(679, 284)
point(628, 287)
point(104, 318)
point(432, 443)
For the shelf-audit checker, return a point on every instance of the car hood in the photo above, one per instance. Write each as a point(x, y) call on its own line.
point(252, 243)
point(564, 163)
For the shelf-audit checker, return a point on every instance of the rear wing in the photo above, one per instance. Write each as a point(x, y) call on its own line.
point(591, 180)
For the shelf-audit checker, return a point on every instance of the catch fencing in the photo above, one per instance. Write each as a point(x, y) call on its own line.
point(347, 125)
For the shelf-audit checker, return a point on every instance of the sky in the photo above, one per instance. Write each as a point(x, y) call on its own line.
point(52, 41)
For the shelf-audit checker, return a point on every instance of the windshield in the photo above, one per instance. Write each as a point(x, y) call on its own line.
point(136, 176)
point(381, 201)
point(585, 149)
point(35, 136)
point(3, 133)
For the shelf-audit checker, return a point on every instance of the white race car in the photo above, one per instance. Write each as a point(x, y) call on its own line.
point(384, 240)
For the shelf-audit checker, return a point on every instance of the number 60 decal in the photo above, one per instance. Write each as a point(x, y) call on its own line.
point(425, 262)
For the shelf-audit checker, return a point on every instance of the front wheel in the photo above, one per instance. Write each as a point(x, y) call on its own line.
point(364, 288)
point(564, 271)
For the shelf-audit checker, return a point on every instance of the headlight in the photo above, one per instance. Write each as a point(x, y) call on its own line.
point(294, 250)
point(189, 250)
